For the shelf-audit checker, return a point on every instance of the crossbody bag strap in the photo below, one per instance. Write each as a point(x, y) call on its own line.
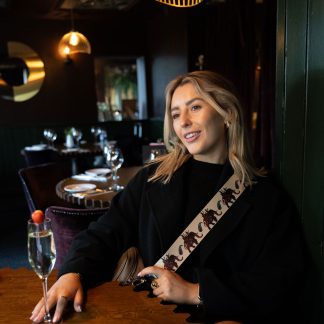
point(206, 219)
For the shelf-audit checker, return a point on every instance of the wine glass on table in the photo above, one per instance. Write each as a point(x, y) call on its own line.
point(77, 135)
point(42, 254)
point(50, 135)
point(96, 131)
point(114, 160)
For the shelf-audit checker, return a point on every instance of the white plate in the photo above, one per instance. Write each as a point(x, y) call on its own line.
point(98, 172)
point(71, 149)
point(36, 147)
point(80, 187)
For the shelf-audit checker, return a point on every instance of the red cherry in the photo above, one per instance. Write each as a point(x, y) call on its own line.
point(38, 216)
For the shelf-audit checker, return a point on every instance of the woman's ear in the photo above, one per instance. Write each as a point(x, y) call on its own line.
point(228, 119)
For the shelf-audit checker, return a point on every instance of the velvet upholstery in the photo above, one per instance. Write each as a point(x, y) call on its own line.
point(67, 223)
point(39, 184)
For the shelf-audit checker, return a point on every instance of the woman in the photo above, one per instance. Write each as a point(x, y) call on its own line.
point(249, 267)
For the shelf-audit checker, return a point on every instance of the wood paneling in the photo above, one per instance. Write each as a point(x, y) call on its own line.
point(300, 133)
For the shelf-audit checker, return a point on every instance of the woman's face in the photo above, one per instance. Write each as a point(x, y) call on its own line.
point(198, 125)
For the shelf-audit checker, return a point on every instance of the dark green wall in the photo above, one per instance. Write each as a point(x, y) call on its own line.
point(300, 133)
point(68, 92)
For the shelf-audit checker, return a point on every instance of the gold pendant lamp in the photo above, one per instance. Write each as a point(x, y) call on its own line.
point(73, 42)
point(180, 3)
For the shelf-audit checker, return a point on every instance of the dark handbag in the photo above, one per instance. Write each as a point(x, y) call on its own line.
point(128, 266)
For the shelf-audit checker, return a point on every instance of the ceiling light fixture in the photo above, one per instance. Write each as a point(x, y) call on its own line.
point(180, 3)
point(73, 42)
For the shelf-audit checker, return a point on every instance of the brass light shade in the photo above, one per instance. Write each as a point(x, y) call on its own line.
point(180, 3)
point(74, 42)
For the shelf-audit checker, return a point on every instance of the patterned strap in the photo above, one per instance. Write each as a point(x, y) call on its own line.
point(202, 224)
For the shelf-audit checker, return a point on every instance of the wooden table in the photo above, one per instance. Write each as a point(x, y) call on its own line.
point(95, 201)
point(21, 289)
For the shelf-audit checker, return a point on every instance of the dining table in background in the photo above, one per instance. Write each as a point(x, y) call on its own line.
point(76, 154)
point(20, 290)
point(42, 153)
point(83, 151)
point(97, 200)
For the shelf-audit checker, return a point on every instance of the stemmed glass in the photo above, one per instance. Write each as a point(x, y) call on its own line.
point(42, 255)
point(77, 135)
point(114, 160)
point(96, 131)
point(50, 135)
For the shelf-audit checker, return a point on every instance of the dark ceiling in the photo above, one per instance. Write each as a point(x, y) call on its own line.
point(98, 4)
point(60, 9)
point(57, 9)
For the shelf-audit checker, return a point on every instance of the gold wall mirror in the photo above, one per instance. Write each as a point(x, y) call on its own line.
point(21, 72)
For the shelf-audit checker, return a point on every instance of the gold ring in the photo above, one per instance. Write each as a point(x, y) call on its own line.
point(154, 284)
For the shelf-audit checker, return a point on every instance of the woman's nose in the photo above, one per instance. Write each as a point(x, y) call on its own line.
point(185, 120)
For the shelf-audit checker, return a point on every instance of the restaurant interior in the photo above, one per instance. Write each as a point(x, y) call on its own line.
point(232, 37)
point(115, 85)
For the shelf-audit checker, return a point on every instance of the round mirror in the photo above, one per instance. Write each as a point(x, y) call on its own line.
point(21, 72)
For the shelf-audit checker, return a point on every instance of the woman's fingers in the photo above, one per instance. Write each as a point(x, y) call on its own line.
point(60, 306)
point(169, 286)
point(68, 287)
point(39, 311)
point(78, 300)
point(37, 308)
point(156, 270)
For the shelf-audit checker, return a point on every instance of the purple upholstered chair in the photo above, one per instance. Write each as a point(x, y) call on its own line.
point(67, 223)
point(39, 183)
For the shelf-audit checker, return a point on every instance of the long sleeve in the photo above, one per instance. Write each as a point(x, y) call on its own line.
point(95, 251)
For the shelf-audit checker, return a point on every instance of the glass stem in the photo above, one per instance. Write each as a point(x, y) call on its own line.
point(114, 177)
point(47, 317)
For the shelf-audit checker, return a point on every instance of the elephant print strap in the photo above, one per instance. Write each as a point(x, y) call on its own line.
point(202, 224)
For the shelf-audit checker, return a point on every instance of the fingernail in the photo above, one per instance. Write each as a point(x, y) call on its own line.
point(78, 308)
point(139, 274)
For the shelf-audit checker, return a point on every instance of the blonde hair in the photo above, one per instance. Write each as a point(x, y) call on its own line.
point(219, 93)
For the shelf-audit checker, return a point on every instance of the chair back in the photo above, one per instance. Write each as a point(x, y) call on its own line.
point(39, 184)
point(67, 223)
point(35, 157)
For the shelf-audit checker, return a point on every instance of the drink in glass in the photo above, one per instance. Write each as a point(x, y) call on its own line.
point(42, 254)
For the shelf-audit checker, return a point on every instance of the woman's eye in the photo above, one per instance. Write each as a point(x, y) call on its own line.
point(196, 107)
point(175, 116)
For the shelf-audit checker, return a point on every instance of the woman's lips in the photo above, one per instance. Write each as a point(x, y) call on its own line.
point(191, 137)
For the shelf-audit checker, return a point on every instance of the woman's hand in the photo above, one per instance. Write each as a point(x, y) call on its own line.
point(171, 287)
point(67, 287)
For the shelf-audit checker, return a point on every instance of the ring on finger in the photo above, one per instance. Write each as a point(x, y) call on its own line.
point(154, 284)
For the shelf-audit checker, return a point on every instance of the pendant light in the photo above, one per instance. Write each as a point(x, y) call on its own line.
point(180, 3)
point(73, 42)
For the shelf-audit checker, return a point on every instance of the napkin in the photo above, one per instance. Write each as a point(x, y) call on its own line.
point(87, 177)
